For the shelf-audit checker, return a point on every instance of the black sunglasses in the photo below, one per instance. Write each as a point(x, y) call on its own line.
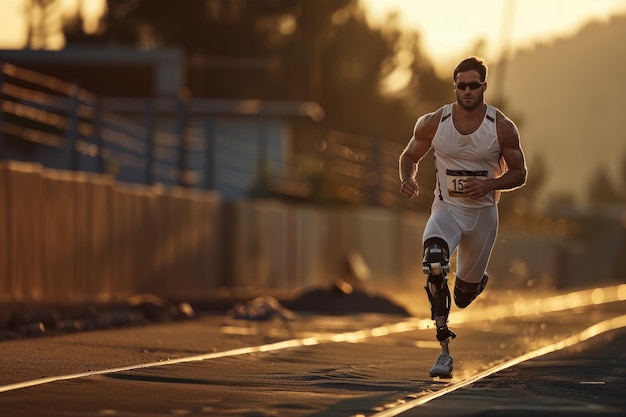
point(473, 86)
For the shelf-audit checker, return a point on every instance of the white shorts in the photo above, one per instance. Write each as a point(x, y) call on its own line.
point(470, 230)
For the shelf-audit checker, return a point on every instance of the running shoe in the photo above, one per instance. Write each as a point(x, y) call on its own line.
point(443, 366)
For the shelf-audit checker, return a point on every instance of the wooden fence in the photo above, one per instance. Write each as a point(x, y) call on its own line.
point(69, 237)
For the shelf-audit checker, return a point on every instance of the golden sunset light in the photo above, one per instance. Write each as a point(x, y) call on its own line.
point(448, 28)
point(312, 207)
point(451, 28)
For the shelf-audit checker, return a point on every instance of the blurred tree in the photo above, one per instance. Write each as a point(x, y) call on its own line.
point(425, 91)
point(245, 44)
point(351, 71)
point(320, 50)
point(601, 190)
point(42, 23)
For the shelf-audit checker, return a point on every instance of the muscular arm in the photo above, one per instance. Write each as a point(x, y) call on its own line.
point(513, 155)
point(415, 150)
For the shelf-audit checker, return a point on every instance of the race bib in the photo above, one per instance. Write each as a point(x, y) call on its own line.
point(455, 180)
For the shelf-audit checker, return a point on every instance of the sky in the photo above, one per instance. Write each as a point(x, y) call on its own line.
point(448, 28)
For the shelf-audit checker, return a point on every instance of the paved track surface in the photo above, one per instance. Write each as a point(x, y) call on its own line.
point(587, 379)
point(530, 354)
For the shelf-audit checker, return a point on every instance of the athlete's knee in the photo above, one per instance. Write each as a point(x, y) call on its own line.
point(436, 257)
point(466, 292)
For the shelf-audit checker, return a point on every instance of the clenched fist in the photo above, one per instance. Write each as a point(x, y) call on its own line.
point(409, 188)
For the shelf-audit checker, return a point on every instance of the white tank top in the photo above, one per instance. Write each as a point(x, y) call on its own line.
point(458, 157)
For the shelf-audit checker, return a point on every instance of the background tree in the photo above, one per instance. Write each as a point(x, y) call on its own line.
point(601, 190)
point(321, 50)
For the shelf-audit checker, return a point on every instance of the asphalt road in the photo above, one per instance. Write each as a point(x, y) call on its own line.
point(515, 355)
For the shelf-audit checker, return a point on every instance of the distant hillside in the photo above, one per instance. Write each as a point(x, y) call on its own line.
point(571, 96)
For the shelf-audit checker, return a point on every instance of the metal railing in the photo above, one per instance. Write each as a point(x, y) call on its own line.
point(60, 125)
point(173, 142)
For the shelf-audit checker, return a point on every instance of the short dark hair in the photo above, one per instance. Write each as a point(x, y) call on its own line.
point(472, 63)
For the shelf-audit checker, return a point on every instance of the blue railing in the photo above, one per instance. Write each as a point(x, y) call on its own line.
point(61, 125)
point(229, 146)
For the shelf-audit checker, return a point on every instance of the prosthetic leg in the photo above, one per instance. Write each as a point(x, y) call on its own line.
point(436, 265)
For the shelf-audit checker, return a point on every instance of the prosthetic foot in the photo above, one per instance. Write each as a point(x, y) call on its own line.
point(436, 266)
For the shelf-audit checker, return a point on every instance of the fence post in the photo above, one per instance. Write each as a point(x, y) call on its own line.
point(72, 131)
point(181, 131)
point(98, 140)
point(262, 166)
point(374, 176)
point(149, 141)
point(209, 154)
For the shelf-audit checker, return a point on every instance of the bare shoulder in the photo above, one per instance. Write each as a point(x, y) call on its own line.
point(507, 130)
point(426, 126)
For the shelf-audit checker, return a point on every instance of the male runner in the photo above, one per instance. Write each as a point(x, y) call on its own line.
point(477, 154)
